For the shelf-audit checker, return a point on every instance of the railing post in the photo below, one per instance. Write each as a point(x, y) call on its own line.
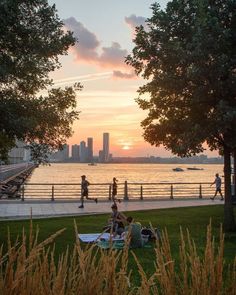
point(141, 192)
point(109, 197)
point(52, 199)
point(126, 198)
point(171, 192)
point(23, 193)
point(200, 191)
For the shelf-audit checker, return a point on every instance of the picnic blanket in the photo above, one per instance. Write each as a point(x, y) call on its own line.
point(103, 240)
point(94, 237)
point(114, 245)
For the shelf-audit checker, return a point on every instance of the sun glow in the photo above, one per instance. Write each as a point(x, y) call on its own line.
point(126, 147)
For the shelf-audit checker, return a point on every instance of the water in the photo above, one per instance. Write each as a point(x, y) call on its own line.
point(156, 180)
point(137, 173)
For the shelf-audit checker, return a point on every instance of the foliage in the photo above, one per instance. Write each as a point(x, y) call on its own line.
point(188, 54)
point(31, 267)
point(31, 38)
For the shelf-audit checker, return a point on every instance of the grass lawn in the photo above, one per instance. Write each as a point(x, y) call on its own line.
point(195, 219)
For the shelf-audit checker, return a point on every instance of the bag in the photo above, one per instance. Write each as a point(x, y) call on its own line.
point(152, 234)
point(147, 232)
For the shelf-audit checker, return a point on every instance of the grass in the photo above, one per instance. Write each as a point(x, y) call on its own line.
point(194, 219)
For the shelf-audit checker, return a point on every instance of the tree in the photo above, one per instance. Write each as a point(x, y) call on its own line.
point(31, 38)
point(188, 54)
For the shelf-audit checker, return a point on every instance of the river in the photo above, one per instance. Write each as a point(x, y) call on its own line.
point(140, 173)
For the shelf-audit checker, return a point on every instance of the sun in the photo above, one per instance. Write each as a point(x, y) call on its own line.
point(126, 147)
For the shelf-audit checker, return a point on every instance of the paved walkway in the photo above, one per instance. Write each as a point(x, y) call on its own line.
point(16, 209)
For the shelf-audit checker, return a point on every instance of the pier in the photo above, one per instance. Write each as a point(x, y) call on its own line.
point(13, 177)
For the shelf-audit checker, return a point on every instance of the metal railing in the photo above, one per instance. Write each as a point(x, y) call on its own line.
point(126, 191)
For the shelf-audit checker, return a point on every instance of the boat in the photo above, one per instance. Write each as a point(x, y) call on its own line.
point(92, 164)
point(194, 168)
point(178, 169)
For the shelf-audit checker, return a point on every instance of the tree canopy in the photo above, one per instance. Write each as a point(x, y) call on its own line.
point(31, 39)
point(188, 55)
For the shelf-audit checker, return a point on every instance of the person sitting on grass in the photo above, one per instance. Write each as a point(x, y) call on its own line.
point(116, 222)
point(133, 231)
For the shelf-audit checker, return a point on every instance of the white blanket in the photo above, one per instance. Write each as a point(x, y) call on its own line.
point(90, 238)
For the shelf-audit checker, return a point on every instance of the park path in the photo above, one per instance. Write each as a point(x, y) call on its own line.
point(16, 209)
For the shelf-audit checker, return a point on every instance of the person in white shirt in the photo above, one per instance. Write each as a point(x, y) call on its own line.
point(217, 183)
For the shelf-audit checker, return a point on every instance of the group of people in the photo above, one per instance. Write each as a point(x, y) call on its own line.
point(85, 191)
point(118, 223)
point(122, 226)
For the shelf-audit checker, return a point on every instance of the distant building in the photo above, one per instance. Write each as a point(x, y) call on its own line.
point(75, 153)
point(106, 147)
point(65, 152)
point(90, 149)
point(19, 154)
point(101, 157)
point(83, 152)
point(61, 155)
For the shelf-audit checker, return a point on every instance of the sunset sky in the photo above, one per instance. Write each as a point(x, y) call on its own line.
point(105, 30)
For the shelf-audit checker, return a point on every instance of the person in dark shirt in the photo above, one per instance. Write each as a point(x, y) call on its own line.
point(114, 191)
point(85, 191)
point(117, 221)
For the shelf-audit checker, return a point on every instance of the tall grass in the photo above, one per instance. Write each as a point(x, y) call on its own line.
point(29, 267)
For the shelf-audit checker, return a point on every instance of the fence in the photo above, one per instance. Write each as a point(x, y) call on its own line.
point(126, 191)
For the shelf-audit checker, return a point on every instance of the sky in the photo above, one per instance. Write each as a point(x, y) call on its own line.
point(105, 29)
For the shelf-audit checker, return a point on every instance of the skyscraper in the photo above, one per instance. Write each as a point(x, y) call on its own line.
point(90, 149)
point(61, 155)
point(106, 147)
point(75, 152)
point(83, 152)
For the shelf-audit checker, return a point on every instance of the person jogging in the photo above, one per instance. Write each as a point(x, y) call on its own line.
point(85, 191)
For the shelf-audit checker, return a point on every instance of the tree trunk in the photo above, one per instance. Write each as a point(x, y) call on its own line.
point(229, 222)
point(234, 171)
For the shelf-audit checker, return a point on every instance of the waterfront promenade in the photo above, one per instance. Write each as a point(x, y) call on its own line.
point(16, 209)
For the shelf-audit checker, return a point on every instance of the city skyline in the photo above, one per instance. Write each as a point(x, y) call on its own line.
point(84, 153)
point(107, 101)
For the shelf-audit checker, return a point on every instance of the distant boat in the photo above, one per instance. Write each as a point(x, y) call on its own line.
point(194, 168)
point(92, 164)
point(178, 169)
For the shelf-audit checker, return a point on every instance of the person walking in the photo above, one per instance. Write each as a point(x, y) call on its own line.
point(217, 183)
point(114, 190)
point(85, 191)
